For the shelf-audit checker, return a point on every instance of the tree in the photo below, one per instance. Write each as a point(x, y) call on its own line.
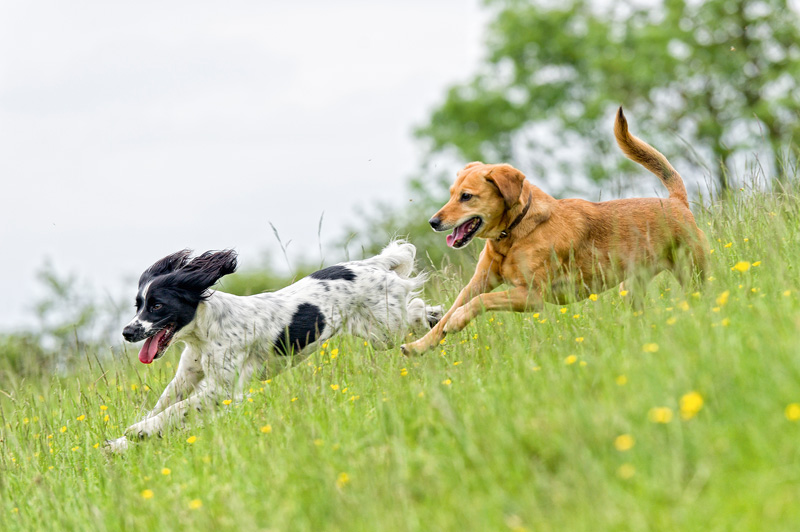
point(711, 80)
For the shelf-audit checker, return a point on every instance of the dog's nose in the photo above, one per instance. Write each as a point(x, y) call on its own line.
point(132, 333)
point(436, 223)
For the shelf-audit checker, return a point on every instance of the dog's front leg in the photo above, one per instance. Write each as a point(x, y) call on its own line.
point(205, 397)
point(518, 299)
point(188, 374)
point(486, 278)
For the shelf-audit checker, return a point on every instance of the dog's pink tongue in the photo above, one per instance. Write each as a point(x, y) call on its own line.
point(150, 347)
point(457, 234)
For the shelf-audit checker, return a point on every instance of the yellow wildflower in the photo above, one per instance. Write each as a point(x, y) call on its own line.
point(722, 300)
point(741, 266)
point(166, 471)
point(624, 442)
point(334, 387)
point(147, 494)
point(195, 504)
point(191, 439)
point(570, 360)
point(623, 293)
point(660, 414)
point(266, 429)
point(579, 339)
point(226, 402)
point(792, 412)
point(593, 297)
point(621, 380)
point(650, 348)
point(691, 403)
point(342, 480)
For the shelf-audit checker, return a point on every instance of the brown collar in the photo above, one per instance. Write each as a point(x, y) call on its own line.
point(517, 220)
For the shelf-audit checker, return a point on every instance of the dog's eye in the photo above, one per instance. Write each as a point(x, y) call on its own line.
point(156, 306)
point(466, 196)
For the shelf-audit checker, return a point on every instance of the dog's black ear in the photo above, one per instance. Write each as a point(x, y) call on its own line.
point(202, 272)
point(508, 181)
point(168, 264)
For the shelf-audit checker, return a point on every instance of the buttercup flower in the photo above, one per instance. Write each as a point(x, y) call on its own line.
point(660, 414)
point(741, 266)
point(792, 412)
point(624, 442)
point(691, 403)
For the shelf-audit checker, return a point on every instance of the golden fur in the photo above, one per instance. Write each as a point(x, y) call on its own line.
point(563, 250)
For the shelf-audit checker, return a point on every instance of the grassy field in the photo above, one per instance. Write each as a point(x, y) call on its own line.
point(593, 416)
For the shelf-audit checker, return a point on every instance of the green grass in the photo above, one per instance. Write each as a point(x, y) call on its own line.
point(510, 425)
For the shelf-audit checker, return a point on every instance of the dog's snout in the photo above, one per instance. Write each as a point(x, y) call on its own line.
point(436, 223)
point(133, 332)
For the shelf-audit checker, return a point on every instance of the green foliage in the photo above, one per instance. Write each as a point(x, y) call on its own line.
point(721, 76)
point(22, 355)
point(592, 416)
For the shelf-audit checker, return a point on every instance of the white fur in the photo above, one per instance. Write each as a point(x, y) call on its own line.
point(232, 336)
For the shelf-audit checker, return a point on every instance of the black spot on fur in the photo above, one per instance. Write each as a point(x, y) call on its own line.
point(334, 273)
point(306, 326)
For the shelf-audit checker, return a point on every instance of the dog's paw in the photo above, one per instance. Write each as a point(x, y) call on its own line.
point(118, 446)
point(415, 348)
point(143, 429)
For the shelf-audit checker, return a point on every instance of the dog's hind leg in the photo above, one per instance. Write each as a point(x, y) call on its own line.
point(423, 317)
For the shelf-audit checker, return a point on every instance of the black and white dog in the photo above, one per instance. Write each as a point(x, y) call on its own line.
point(228, 337)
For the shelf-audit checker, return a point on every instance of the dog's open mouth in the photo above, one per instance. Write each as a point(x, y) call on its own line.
point(463, 233)
point(155, 345)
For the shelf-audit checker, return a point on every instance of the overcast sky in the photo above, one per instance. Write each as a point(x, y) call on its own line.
point(131, 130)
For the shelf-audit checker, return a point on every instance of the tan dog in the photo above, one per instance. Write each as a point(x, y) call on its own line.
point(560, 251)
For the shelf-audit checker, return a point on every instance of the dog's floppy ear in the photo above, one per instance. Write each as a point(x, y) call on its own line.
point(168, 264)
point(508, 181)
point(202, 272)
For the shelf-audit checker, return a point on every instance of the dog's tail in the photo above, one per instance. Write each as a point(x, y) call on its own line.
point(398, 256)
point(641, 152)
